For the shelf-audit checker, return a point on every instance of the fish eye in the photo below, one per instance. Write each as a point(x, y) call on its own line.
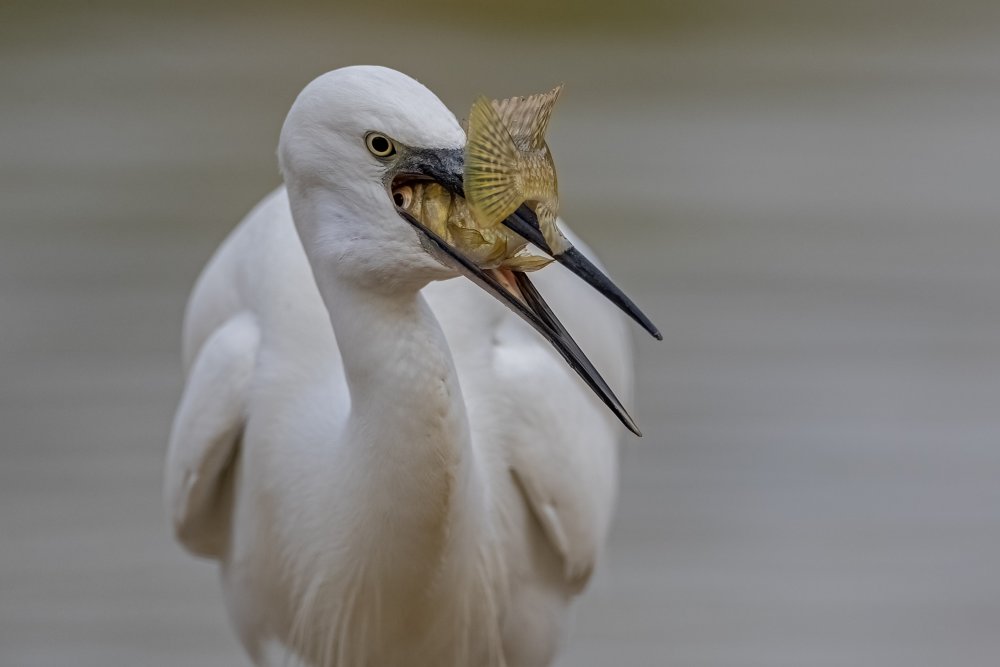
point(403, 196)
point(380, 145)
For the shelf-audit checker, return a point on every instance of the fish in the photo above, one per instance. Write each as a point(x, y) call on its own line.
point(508, 163)
point(448, 215)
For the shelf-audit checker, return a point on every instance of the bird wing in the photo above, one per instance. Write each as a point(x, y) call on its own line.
point(573, 514)
point(204, 441)
point(561, 443)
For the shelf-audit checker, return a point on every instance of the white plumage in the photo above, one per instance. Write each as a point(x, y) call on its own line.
point(423, 483)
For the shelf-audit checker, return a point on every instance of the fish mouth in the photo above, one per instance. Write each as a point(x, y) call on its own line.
point(512, 288)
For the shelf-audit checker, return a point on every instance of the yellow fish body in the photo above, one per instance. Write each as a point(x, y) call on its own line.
point(508, 163)
point(449, 217)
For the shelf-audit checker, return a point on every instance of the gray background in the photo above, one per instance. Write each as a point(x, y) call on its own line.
point(803, 195)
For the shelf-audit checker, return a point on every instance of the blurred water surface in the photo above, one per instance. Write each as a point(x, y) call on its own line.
point(803, 196)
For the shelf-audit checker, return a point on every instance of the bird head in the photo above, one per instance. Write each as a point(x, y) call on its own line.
point(350, 133)
point(357, 134)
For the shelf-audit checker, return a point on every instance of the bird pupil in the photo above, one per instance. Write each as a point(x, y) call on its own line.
point(380, 144)
point(398, 198)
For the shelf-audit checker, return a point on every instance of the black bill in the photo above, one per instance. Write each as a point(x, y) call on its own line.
point(525, 223)
point(445, 165)
point(522, 298)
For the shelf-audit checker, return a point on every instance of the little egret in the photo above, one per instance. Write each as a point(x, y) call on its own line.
point(426, 482)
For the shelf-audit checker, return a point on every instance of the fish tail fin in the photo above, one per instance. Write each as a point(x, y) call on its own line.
point(527, 118)
point(493, 166)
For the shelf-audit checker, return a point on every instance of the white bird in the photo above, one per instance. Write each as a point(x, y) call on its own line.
point(425, 482)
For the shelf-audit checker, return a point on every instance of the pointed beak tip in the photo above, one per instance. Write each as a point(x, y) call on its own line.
point(626, 419)
point(530, 306)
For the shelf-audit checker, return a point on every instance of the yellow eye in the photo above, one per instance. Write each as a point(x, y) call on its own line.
point(380, 145)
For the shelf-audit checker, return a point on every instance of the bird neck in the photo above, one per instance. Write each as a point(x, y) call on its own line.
point(402, 380)
point(412, 544)
point(407, 431)
point(406, 496)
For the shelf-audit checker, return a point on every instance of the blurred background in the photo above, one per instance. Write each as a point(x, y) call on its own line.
point(803, 195)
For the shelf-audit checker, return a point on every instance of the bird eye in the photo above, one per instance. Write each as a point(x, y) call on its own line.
point(380, 145)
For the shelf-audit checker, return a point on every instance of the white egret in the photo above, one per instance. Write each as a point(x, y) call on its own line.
point(425, 482)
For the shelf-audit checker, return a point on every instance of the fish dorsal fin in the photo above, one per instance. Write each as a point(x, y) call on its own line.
point(527, 118)
point(492, 166)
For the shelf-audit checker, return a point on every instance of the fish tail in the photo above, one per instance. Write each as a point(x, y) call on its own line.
point(527, 118)
point(493, 166)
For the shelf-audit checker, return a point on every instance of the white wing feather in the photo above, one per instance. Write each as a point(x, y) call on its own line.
point(205, 437)
point(563, 444)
